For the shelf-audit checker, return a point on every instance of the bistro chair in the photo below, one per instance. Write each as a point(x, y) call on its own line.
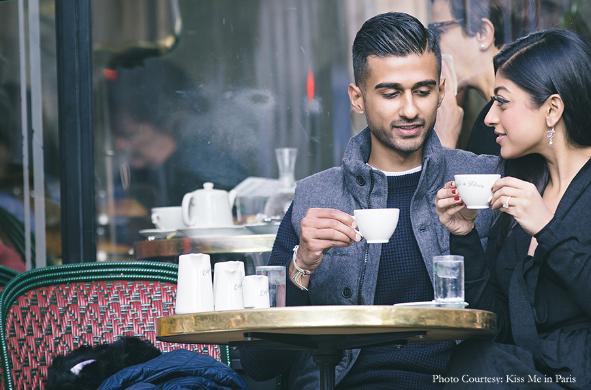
point(6, 274)
point(51, 311)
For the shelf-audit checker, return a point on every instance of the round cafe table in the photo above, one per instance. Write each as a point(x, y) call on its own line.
point(327, 330)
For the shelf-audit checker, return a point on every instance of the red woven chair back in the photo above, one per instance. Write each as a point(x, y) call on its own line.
point(50, 320)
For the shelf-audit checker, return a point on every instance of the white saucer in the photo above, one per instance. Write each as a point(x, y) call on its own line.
point(263, 228)
point(157, 233)
point(432, 304)
point(215, 232)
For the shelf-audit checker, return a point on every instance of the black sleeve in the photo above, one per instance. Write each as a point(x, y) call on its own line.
point(569, 258)
point(264, 364)
point(481, 287)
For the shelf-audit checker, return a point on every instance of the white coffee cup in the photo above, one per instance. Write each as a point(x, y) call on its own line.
point(227, 285)
point(194, 286)
point(376, 225)
point(168, 218)
point(476, 190)
point(255, 289)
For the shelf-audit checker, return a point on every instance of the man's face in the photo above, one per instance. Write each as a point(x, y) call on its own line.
point(144, 145)
point(400, 97)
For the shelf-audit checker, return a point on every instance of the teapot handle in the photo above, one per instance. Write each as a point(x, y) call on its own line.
point(186, 210)
point(232, 197)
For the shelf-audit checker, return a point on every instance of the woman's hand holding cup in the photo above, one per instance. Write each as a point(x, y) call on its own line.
point(452, 211)
point(523, 201)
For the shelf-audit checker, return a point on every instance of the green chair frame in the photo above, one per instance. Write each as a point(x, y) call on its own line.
point(20, 284)
point(6, 274)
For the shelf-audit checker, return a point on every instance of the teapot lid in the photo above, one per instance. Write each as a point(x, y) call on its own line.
point(208, 186)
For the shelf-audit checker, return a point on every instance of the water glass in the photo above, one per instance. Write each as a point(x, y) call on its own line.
point(277, 279)
point(448, 277)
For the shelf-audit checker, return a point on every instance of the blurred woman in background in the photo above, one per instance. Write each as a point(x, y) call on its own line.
point(472, 32)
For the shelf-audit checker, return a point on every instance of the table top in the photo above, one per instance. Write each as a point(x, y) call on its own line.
point(252, 243)
point(223, 327)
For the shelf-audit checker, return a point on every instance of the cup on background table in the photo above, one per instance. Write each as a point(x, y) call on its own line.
point(167, 218)
point(448, 277)
point(255, 289)
point(227, 285)
point(476, 190)
point(194, 286)
point(277, 279)
point(376, 225)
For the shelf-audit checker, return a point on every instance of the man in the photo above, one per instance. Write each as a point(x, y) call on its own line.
point(157, 129)
point(397, 162)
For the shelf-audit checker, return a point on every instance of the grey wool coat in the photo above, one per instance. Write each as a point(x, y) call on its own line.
point(348, 275)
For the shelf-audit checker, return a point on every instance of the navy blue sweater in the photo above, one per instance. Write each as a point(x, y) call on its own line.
point(402, 277)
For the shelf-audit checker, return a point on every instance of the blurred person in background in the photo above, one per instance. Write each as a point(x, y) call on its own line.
point(155, 116)
point(473, 32)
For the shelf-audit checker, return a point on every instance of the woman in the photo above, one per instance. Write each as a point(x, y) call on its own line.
point(472, 32)
point(536, 273)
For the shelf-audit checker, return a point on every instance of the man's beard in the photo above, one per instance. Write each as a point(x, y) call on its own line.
point(406, 146)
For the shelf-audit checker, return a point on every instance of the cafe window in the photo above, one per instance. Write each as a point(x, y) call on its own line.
point(236, 81)
point(30, 227)
point(185, 93)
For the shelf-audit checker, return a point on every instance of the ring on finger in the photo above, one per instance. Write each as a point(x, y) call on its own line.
point(506, 204)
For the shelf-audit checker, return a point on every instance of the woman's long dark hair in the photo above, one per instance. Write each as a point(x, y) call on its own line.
point(542, 64)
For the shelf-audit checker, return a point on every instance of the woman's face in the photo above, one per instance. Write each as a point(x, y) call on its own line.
point(520, 128)
point(454, 42)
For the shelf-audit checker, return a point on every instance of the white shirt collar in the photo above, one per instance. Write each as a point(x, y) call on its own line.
point(407, 172)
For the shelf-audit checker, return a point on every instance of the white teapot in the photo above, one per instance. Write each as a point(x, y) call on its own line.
point(208, 208)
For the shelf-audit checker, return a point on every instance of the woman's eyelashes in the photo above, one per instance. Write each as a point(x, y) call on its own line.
point(499, 100)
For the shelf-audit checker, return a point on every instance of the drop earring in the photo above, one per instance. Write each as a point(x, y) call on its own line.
point(550, 134)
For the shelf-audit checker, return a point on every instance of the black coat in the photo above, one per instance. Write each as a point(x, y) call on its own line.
point(542, 302)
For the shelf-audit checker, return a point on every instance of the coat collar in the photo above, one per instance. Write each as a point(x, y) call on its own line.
point(357, 171)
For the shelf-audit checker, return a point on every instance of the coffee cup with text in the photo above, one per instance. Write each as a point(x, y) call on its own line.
point(476, 189)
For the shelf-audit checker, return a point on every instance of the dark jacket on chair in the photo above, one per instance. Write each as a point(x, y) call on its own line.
point(179, 369)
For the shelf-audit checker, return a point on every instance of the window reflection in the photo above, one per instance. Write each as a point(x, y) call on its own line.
point(243, 79)
point(221, 90)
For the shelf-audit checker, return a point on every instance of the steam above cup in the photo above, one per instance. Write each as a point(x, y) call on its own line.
point(476, 190)
point(376, 225)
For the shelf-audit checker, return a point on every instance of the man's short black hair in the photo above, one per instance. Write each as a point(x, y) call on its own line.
point(391, 34)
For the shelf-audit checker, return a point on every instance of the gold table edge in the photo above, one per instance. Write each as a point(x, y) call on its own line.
point(366, 318)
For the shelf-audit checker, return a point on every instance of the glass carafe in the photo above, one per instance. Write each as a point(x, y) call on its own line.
point(277, 205)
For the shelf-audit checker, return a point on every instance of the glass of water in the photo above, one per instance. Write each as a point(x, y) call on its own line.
point(448, 277)
point(277, 279)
